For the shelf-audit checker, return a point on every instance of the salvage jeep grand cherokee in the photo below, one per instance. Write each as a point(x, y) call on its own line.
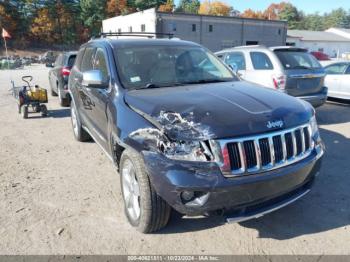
point(186, 134)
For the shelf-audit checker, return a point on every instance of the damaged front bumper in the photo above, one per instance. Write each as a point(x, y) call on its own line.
point(196, 188)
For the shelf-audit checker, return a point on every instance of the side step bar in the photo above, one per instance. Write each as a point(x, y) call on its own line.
point(270, 209)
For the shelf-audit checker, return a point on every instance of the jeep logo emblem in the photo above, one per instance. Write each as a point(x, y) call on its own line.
point(275, 124)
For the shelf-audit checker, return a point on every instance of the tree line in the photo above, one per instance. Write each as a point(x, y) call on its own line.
point(71, 22)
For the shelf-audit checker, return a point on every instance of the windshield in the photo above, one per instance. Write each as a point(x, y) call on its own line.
point(162, 66)
point(297, 60)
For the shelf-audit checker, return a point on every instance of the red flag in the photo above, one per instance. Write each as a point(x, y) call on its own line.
point(5, 34)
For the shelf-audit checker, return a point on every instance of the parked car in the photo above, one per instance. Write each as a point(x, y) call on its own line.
point(186, 134)
point(49, 57)
point(345, 55)
point(320, 56)
point(338, 80)
point(59, 74)
point(291, 70)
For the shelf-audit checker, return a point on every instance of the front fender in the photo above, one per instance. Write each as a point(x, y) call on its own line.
point(131, 130)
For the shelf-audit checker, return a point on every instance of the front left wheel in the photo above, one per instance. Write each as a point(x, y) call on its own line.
point(79, 133)
point(144, 208)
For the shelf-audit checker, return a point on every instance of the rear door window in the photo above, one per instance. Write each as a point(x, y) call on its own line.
point(236, 59)
point(297, 59)
point(261, 61)
point(88, 59)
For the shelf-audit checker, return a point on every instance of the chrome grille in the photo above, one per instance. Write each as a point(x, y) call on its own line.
point(269, 151)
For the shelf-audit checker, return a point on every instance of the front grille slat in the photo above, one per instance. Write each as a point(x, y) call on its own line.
point(294, 144)
point(277, 143)
point(270, 151)
point(257, 153)
point(243, 157)
point(265, 151)
point(234, 155)
point(249, 149)
point(302, 140)
point(284, 147)
point(289, 145)
point(298, 141)
point(307, 138)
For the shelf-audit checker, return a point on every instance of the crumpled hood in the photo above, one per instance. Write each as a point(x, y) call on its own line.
point(221, 110)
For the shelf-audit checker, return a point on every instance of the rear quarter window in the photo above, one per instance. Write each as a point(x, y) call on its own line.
point(297, 60)
point(261, 61)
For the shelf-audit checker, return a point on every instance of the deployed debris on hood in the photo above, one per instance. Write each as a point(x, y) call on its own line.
point(179, 130)
point(183, 128)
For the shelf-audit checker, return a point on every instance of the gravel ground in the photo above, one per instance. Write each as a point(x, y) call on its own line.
point(59, 196)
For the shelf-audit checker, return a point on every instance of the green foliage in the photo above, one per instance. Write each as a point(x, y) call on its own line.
point(337, 18)
point(291, 14)
point(142, 4)
point(92, 14)
point(314, 22)
point(188, 6)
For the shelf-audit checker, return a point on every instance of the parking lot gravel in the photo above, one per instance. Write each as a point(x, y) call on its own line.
point(59, 196)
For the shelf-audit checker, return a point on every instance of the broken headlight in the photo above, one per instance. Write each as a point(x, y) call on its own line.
point(187, 151)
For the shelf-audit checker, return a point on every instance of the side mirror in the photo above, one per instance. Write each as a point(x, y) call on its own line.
point(94, 79)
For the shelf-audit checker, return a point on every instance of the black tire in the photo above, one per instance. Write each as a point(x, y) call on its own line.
point(155, 212)
point(79, 133)
point(53, 93)
point(37, 108)
point(64, 102)
point(43, 110)
point(24, 111)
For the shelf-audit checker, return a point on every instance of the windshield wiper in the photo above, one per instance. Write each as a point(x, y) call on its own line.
point(148, 86)
point(301, 67)
point(152, 85)
point(206, 81)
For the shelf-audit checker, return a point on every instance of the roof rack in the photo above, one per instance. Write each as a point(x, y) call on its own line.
point(137, 34)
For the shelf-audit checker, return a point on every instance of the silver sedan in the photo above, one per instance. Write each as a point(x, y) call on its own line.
point(338, 80)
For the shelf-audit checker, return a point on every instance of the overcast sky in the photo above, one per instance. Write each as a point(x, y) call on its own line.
point(308, 6)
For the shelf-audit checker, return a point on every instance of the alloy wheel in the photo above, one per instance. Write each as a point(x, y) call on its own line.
point(131, 190)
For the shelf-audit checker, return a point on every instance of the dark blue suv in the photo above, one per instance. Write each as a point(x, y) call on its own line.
point(186, 134)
